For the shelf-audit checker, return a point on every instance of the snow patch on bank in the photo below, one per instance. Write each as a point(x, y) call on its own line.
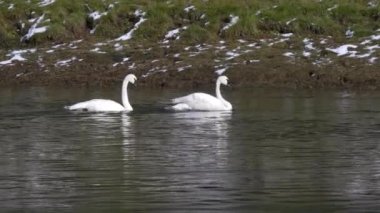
point(45, 3)
point(180, 69)
point(128, 36)
point(173, 34)
point(189, 8)
point(232, 21)
point(66, 62)
point(34, 29)
point(16, 55)
point(97, 15)
point(221, 71)
point(342, 50)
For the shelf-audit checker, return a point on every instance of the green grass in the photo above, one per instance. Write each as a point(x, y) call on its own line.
point(69, 19)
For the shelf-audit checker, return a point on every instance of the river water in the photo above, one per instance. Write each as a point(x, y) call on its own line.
point(278, 151)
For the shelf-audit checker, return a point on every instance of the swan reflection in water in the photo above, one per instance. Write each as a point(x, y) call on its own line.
point(115, 126)
point(128, 137)
point(206, 131)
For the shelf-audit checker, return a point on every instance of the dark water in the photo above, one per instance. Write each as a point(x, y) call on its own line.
point(278, 151)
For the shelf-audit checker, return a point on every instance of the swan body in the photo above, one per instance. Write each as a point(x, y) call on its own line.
point(202, 101)
point(104, 105)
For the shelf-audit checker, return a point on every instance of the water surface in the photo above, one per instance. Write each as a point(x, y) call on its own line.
point(278, 151)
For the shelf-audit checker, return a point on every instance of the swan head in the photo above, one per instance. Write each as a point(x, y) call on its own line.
point(223, 80)
point(131, 78)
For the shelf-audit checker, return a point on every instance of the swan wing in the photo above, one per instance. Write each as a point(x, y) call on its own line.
point(194, 97)
point(97, 105)
point(197, 101)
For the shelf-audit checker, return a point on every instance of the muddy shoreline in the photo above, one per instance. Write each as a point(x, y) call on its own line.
point(190, 66)
point(269, 72)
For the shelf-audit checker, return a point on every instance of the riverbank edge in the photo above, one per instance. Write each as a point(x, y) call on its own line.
point(272, 72)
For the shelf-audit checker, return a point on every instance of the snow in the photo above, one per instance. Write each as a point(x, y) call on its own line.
point(371, 48)
point(76, 41)
point(308, 44)
point(221, 47)
point(153, 71)
point(342, 50)
point(349, 33)
point(221, 71)
point(32, 20)
point(65, 62)
point(375, 37)
point(34, 29)
point(323, 41)
point(57, 46)
point(180, 69)
point(290, 21)
point(118, 46)
point(254, 61)
point(16, 57)
point(278, 41)
point(139, 13)
point(231, 55)
point(372, 60)
point(372, 3)
point(306, 54)
point(92, 31)
point(128, 36)
point(117, 63)
point(187, 9)
point(354, 55)
point(366, 42)
point(99, 44)
point(173, 34)
point(286, 35)
point(44, 3)
point(97, 50)
point(133, 66)
point(332, 8)
point(97, 15)
point(322, 61)
point(19, 74)
point(289, 54)
point(17, 52)
point(233, 21)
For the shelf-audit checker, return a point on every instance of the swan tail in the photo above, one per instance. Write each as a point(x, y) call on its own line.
point(179, 107)
point(179, 100)
point(78, 106)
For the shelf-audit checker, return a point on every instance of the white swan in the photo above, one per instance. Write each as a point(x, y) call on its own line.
point(103, 105)
point(202, 101)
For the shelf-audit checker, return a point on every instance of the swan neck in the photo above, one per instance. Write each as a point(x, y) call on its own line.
point(124, 95)
point(226, 104)
point(218, 94)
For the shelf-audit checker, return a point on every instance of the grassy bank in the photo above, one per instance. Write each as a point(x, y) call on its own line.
point(68, 20)
point(291, 43)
